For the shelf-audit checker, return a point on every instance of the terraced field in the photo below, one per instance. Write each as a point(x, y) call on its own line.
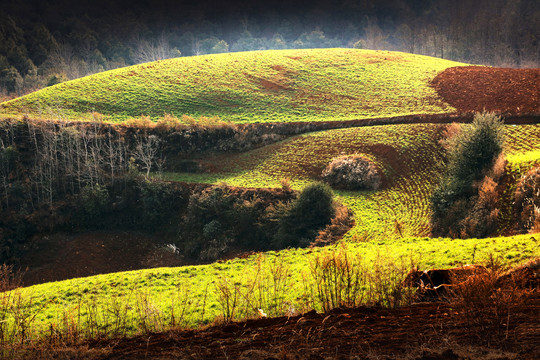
point(407, 154)
point(269, 86)
point(410, 156)
point(391, 224)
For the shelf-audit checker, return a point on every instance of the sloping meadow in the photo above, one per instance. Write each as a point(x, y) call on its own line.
point(259, 86)
point(286, 283)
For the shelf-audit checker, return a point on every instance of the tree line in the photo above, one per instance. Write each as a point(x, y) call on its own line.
point(44, 44)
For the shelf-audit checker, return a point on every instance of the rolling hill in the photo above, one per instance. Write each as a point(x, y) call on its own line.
point(391, 230)
point(260, 86)
point(408, 155)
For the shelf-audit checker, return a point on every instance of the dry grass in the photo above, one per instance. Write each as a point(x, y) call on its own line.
point(489, 298)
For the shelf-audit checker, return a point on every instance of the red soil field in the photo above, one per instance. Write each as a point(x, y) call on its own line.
point(501, 90)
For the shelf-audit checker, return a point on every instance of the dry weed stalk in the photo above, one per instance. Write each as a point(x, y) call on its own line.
point(339, 279)
point(487, 302)
point(263, 290)
point(181, 306)
point(228, 295)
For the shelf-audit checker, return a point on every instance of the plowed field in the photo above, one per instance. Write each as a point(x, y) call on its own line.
point(501, 90)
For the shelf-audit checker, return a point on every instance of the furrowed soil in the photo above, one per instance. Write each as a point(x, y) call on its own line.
point(501, 90)
point(433, 331)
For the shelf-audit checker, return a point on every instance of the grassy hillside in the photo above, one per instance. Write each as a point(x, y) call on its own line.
point(261, 86)
point(391, 224)
point(409, 155)
point(123, 303)
point(127, 302)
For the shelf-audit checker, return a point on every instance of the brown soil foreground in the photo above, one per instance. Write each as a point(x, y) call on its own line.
point(501, 90)
point(431, 331)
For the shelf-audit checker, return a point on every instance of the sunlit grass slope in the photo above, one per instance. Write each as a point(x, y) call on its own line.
point(410, 156)
point(260, 86)
point(111, 298)
point(407, 154)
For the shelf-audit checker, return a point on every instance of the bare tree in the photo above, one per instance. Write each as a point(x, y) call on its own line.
point(7, 151)
point(146, 152)
point(153, 50)
point(374, 36)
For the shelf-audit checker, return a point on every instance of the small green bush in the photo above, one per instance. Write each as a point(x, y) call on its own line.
point(94, 205)
point(217, 219)
point(473, 151)
point(310, 212)
point(353, 172)
point(157, 203)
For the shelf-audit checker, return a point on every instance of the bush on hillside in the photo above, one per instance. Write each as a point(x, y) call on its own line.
point(157, 204)
point(353, 172)
point(527, 202)
point(474, 150)
point(309, 213)
point(94, 204)
point(216, 219)
point(465, 203)
point(483, 214)
point(220, 219)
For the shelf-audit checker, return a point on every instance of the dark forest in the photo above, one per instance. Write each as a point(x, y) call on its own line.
point(44, 43)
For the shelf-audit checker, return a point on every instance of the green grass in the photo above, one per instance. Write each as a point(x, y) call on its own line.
point(407, 154)
point(410, 156)
point(314, 85)
point(130, 302)
point(260, 86)
point(160, 288)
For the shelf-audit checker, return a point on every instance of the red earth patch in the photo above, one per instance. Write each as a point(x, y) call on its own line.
point(500, 90)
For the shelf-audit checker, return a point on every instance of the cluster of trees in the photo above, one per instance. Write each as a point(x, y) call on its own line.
point(219, 219)
point(42, 44)
point(41, 162)
point(59, 176)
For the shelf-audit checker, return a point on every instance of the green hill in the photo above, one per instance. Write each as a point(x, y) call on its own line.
point(391, 224)
point(260, 86)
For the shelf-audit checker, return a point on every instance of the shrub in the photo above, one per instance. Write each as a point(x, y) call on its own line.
point(482, 217)
point(94, 205)
point(310, 212)
point(527, 202)
point(158, 203)
point(217, 219)
point(465, 201)
point(473, 151)
point(353, 172)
